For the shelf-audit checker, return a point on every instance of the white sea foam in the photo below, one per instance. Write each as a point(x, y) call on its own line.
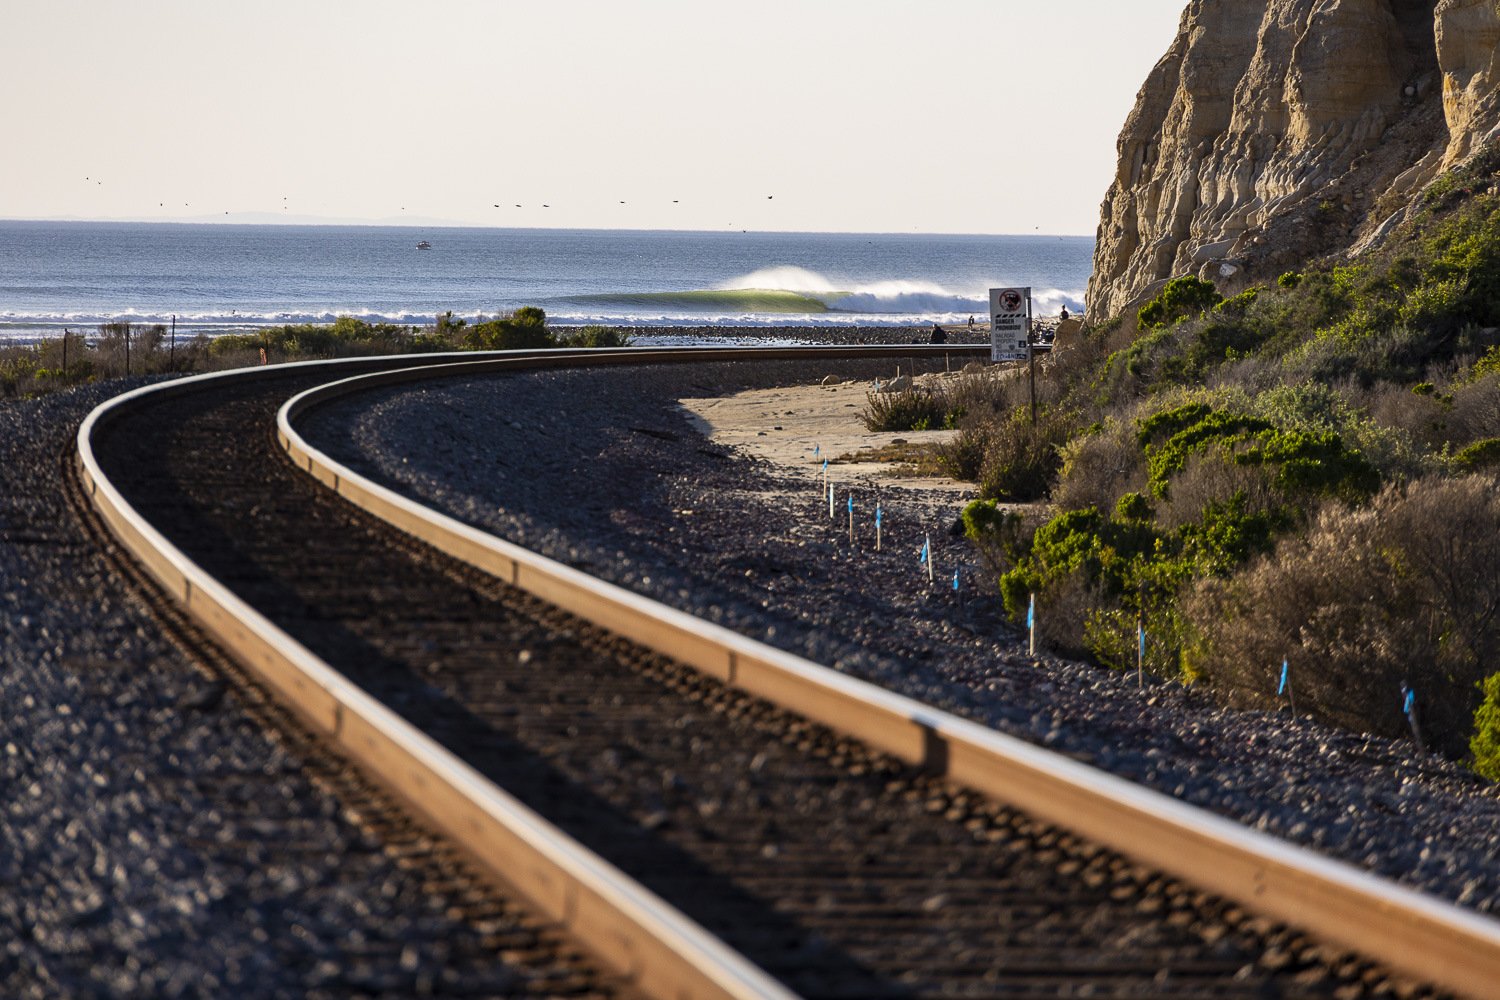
point(781, 278)
point(897, 300)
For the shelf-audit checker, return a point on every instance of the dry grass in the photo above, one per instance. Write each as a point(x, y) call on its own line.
point(1406, 589)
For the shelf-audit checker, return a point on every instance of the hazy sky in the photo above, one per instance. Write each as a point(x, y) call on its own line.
point(978, 116)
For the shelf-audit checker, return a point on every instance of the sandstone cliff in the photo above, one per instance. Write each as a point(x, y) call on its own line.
point(1278, 131)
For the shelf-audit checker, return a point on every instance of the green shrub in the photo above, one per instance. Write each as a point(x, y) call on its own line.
point(1461, 182)
point(997, 534)
point(1184, 296)
point(1100, 465)
point(1133, 507)
point(1023, 458)
point(912, 409)
point(448, 327)
point(1239, 303)
point(1307, 463)
point(1200, 434)
point(524, 329)
point(963, 457)
point(1485, 743)
point(344, 337)
point(595, 336)
point(1403, 588)
point(1481, 455)
point(1489, 364)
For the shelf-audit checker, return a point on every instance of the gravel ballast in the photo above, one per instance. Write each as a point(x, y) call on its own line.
point(603, 471)
point(155, 841)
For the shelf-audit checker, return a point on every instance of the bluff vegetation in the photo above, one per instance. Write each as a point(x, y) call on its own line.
point(1279, 438)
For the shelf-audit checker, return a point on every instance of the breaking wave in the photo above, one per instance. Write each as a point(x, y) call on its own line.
point(789, 290)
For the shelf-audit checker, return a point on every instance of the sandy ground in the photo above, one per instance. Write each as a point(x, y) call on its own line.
point(796, 427)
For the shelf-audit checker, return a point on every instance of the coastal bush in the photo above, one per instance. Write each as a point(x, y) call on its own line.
point(963, 456)
point(1484, 745)
point(1194, 490)
point(1403, 589)
point(346, 336)
point(915, 408)
point(1306, 463)
point(523, 329)
point(1472, 407)
point(1182, 297)
point(1481, 455)
point(39, 367)
point(977, 399)
point(595, 336)
point(1488, 364)
point(1238, 304)
point(1477, 173)
point(1283, 460)
point(1022, 458)
point(1099, 465)
point(121, 348)
point(18, 366)
point(33, 369)
point(997, 533)
point(1424, 419)
point(447, 327)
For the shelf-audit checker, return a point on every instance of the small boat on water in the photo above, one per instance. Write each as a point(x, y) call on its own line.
point(424, 245)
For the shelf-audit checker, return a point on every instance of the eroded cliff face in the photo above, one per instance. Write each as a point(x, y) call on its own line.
point(1277, 131)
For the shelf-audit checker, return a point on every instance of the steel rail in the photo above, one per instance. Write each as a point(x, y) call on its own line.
point(1417, 934)
point(630, 930)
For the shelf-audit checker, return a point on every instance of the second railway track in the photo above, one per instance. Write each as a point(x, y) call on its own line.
point(840, 871)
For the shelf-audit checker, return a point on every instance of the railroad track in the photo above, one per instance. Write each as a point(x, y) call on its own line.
point(835, 867)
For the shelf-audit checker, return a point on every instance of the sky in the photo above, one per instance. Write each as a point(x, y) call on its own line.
point(934, 116)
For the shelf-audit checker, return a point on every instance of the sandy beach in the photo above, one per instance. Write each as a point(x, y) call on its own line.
point(795, 427)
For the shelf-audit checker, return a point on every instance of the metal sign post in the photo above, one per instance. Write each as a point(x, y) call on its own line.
point(1031, 359)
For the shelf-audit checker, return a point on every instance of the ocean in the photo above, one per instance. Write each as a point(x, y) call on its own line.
point(228, 278)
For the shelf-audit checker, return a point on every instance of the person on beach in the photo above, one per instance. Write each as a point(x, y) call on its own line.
point(939, 335)
point(1064, 314)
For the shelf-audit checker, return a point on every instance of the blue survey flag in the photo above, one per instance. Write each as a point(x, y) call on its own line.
point(817, 450)
point(1280, 688)
point(955, 580)
point(851, 503)
point(1031, 613)
point(877, 515)
point(1411, 697)
point(1141, 635)
point(922, 559)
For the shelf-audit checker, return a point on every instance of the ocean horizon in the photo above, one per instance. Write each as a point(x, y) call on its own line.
point(218, 278)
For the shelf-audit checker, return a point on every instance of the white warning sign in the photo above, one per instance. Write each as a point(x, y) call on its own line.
point(1010, 324)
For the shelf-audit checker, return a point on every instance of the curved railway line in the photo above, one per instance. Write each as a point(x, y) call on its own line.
point(793, 830)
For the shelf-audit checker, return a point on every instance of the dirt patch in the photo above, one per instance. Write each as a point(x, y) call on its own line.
point(797, 427)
